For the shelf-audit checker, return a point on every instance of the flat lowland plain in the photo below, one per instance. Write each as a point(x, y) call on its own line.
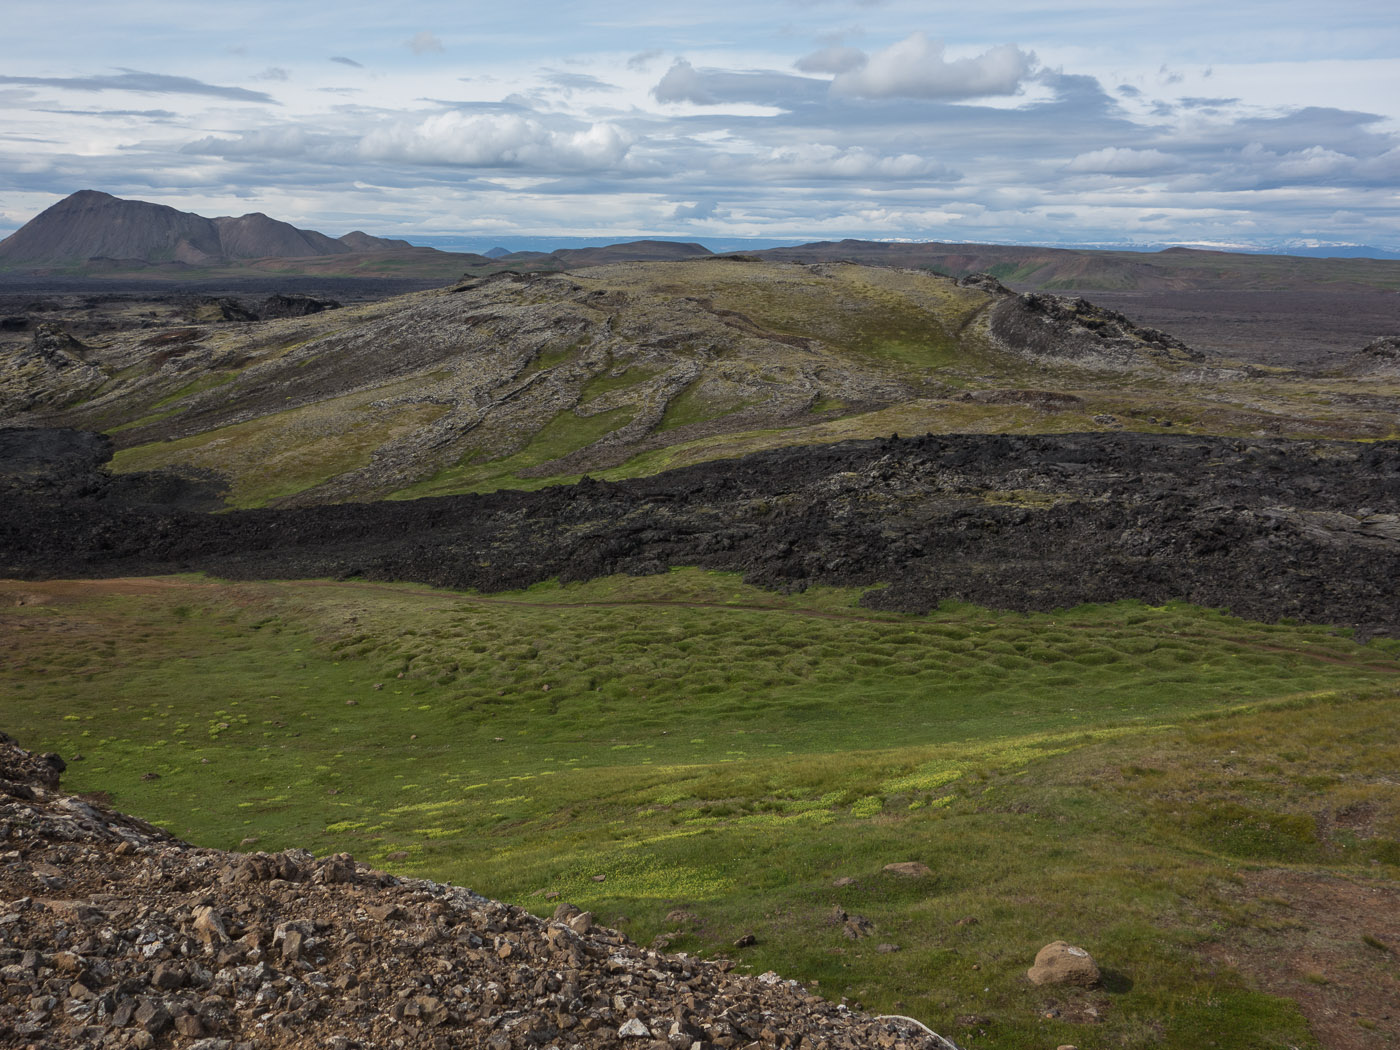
point(1208, 804)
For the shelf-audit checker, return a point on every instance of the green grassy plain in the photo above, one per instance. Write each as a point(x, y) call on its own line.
point(723, 755)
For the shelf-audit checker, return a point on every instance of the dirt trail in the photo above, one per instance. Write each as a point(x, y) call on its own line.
point(1330, 945)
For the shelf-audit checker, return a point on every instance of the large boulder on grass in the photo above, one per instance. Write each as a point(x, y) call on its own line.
point(1062, 963)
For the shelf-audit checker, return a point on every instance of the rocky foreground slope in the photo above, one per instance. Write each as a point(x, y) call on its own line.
point(114, 934)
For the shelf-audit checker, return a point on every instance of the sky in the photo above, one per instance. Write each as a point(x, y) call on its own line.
point(1241, 124)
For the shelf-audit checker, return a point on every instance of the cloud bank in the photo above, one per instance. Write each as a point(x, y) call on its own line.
point(634, 121)
point(145, 83)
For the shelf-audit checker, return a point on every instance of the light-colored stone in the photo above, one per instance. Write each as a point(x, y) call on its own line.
point(208, 926)
point(291, 946)
point(912, 869)
point(1062, 963)
point(634, 1029)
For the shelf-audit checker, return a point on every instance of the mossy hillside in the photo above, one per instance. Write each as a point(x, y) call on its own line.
point(474, 387)
point(193, 371)
point(1096, 774)
point(569, 431)
point(895, 319)
point(272, 457)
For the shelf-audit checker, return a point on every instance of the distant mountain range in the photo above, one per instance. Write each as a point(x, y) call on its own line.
point(95, 234)
point(90, 225)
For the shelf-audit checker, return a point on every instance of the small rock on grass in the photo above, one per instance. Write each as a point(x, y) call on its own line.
point(912, 869)
point(857, 926)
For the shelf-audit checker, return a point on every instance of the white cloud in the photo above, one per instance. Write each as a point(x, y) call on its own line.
point(496, 140)
point(285, 141)
point(683, 83)
point(713, 87)
point(568, 83)
point(699, 210)
point(642, 60)
point(1257, 165)
point(915, 67)
point(1313, 162)
point(1383, 169)
point(1115, 160)
point(424, 43)
point(823, 161)
point(833, 59)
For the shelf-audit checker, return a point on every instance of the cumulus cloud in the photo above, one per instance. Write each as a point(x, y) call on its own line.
point(1315, 161)
point(825, 161)
point(496, 140)
point(642, 60)
point(146, 83)
point(281, 142)
point(424, 43)
point(833, 59)
point(712, 87)
point(683, 83)
point(915, 67)
point(1114, 160)
point(346, 61)
point(699, 210)
point(571, 82)
point(272, 73)
point(1305, 164)
point(1382, 169)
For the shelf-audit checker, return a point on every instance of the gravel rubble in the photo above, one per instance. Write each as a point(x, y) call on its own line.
point(115, 934)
